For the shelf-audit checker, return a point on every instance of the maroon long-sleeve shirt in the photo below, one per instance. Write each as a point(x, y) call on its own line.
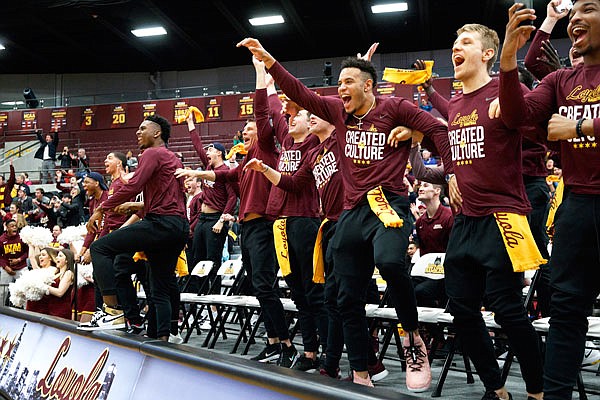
point(155, 176)
point(573, 93)
point(13, 247)
point(368, 161)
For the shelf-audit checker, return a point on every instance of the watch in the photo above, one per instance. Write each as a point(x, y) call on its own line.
point(448, 177)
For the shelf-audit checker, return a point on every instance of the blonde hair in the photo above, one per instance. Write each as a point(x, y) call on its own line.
point(489, 39)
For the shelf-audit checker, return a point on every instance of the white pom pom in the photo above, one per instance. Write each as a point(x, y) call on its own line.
point(32, 285)
point(36, 236)
point(72, 234)
point(85, 272)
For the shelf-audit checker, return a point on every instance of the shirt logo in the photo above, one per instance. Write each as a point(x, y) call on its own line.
point(465, 120)
point(585, 95)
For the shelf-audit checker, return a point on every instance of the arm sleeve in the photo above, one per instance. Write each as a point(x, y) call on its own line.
point(39, 136)
point(231, 199)
point(440, 103)
point(228, 176)
point(423, 173)
point(89, 238)
point(299, 181)
point(538, 68)
point(197, 143)
point(148, 164)
point(264, 127)
point(11, 179)
point(431, 128)
point(519, 109)
point(280, 123)
point(323, 106)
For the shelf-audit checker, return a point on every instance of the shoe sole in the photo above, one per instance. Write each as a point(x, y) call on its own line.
point(101, 328)
point(379, 376)
point(418, 390)
point(274, 357)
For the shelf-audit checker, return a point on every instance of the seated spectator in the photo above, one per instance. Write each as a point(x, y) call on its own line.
point(428, 159)
point(132, 162)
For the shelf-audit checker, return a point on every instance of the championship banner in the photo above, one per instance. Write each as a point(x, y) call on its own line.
point(88, 119)
point(148, 109)
point(246, 107)
point(118, 116)
point(29, 120)
point(213, 110)
point(3, 121)
point(180, 110)
point(457, 88)
point(58, 119)
point(386, 89)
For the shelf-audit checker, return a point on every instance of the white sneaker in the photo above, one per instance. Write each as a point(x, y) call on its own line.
point(108, 318)
point(591, 355)
point(205, 326)
point(176, 339)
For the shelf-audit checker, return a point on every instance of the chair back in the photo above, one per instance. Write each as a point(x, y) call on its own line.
point(430, 266)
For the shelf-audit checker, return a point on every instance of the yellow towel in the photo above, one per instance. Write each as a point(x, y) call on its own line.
point(281, 245)
point(384, 211)
point(181, 269)
point(238, 148)
point(408, 76)
point(519, 242)
point(319, 257)
point(197, 114)
point(554, 204)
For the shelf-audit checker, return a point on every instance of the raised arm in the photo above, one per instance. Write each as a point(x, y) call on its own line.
point(196, 140)
point(421, 172)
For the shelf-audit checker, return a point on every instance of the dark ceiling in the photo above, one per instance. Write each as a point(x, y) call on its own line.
point(62, 36)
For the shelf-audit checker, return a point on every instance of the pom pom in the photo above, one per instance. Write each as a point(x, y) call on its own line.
point(85, 275)
point(31, 286)
point(72, 234)
point(36, 236)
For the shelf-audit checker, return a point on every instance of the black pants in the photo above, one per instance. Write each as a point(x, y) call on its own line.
point(162, 238)
point(124, 267)
point(335, 330)
point(208, 245)
point(477, 266)
point(258, 256)
point(429, 292)
point(362, 241)
point(575, 283)
point(307, 295)
point(539, 197)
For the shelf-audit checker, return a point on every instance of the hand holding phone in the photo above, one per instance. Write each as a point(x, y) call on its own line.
point(526, 4)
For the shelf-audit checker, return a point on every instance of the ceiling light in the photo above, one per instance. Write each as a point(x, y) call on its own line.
point(2, 47)
point(388, 8)
point(12, 103)
point(271, 20)
point(153, 31)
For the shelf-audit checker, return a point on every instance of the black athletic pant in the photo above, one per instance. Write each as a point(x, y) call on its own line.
point(161, 238)
point(208, 245)
point(575, 284)
point(477, 266)
point(258, 257)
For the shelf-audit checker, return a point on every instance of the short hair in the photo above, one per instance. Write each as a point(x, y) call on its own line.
point(121, 157)
point(364, 66)
point(489, 39)
point(41, 190)
point(165, 127)
point(526, 77)
point(441, 187)
point(8, 221)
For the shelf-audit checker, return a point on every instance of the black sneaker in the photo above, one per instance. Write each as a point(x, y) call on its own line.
point(491, 395)
point(306, 364)
point(270, 353)
point(135, 328)
point(288, 356)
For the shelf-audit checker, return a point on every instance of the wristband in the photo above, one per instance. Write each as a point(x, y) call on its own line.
point(578, 129)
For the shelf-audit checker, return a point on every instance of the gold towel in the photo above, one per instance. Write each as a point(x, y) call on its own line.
point(238, 148)
point(319, 257)
point(281, 245)
point(384, 211)
point(519, 242)
point(181, 268)
point(408, 76)
point(197, 114)
point(554, 204)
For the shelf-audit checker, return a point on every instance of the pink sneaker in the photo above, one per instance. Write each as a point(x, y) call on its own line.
point(418, 371)
point(362, 381)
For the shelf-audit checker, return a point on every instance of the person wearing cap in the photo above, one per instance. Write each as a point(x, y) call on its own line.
point(24, 201)
point(217, 198)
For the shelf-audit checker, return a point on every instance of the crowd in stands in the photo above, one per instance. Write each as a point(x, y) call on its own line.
point(326, 189)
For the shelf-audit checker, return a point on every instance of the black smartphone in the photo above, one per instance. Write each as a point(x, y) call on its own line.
point(526, 4)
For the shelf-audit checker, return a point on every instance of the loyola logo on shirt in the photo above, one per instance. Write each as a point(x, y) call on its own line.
point(585, 95)
point(465, 120)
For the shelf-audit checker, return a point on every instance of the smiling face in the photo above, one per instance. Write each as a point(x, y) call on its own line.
point(468, 55)
point(353, 89)
point(111, 164)
point(584, 27)
point(318, 125)
point(299, 125)
point(147, 134)
point(427, 192)
point(45, 259)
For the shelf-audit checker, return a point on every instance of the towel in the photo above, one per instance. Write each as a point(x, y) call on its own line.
point(384, 211)
point(554, 204)
point(408, 76)
point(519, 242)
point(319, 257)
point(281, 245)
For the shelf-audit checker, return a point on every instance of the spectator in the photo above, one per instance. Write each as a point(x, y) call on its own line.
point(69, 213)
point(20, 182)
point(428, 159)
point(65, 187)
point(238, 138)
point(132, 162)
point(26, 179)
point(13, 257)
point(6, 188)
point(425, 105)
point(47, 153)
point(23, 200)
point(83, 163)
point(67, 159)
